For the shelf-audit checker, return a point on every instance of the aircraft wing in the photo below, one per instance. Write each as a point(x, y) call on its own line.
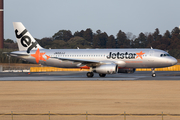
point(15, 54)
point(18, 54)
point(84, 62)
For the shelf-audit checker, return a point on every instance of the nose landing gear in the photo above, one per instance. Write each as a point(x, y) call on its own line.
point(153, 72)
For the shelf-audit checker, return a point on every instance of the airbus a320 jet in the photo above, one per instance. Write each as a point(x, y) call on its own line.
point(101, 61)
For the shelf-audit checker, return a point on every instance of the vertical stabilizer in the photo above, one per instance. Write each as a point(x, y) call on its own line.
point(24, 39)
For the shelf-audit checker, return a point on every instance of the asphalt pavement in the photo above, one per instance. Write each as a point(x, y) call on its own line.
point(81, 76)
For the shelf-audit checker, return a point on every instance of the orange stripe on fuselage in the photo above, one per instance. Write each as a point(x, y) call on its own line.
point(85, 67)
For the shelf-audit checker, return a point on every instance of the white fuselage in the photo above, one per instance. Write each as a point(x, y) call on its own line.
point(151, 58)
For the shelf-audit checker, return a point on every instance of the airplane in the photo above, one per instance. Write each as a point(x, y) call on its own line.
point(101, 61)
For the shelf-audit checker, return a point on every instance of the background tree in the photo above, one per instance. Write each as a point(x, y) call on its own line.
point(96, 41)
point(121, 40)
point(103, 39)
point(156, 35)
point(10, 44)
point(150, 40)
point(88, 35)
point(100, 39)
point(80, 34)
point(59, 44)
point(8, 41)
point(167, 34)
point(62, 35)
point(175, 32)
point(78, 42)
point(111, 42)
point(45, 42)
point(142, 39)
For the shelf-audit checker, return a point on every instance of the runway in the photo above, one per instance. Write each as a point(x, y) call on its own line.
point(81, 76)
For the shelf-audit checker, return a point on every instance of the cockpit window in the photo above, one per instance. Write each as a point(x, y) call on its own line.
point(163, 55)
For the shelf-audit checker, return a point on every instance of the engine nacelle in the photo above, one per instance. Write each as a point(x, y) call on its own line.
point(106, 69)
point(126, 70)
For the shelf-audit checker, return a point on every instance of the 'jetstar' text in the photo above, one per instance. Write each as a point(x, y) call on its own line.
point(118, 55)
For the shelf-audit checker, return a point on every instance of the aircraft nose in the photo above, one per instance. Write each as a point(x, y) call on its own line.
point(173, 61)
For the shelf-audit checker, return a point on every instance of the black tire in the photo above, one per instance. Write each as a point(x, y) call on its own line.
point(102, 75)
point(129, 71)
point(154, 75)
point(90, 74)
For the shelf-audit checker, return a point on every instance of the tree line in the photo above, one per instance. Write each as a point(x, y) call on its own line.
point(64, 39)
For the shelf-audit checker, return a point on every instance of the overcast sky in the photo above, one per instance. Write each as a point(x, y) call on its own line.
point(43, 18)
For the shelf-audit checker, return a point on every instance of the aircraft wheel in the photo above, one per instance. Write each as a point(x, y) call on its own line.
point(90, 74)
point(102, 75)
point(154, 75)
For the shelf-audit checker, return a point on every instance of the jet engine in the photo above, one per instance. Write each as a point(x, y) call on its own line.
point(126, 70)
point(106, 69)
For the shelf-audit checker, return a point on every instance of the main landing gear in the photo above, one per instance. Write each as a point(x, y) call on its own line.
point(90, 74)
point(153, 72)
point(102, 75)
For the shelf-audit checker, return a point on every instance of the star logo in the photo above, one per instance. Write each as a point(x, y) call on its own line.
point(140, 54)
point(39, 56)
point(47, 57)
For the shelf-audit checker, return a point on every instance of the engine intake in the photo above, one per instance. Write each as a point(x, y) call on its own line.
point(106, 69)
